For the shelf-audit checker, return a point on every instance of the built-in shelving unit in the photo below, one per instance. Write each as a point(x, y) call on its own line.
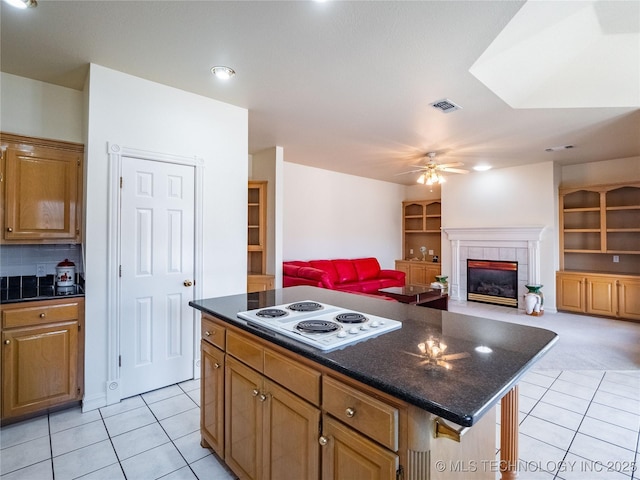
point(257, 279)
point(421, 222)
point(600, 250)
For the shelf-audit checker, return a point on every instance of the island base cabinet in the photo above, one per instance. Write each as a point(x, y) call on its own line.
point(348, 455)
point(291, 426)
point(212, 398)
point(270, 432)
point(243, 420)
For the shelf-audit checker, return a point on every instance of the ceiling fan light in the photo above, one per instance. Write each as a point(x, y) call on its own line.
point(422, 179)
point(22, 4)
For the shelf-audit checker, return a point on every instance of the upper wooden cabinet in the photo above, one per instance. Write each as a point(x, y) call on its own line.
point(41, 190)
point(598, 222)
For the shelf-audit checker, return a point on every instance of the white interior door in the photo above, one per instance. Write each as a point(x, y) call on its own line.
point(157, 272)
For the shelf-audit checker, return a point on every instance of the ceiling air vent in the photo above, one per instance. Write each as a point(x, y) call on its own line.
point(445, 105)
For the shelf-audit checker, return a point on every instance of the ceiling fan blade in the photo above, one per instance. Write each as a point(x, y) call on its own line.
point(454, 170)
point(410, 171)
point(447, 165)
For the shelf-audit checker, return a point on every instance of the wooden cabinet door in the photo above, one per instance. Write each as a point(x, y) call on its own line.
point(417, 275)
point(601, 296)
point(571, 294)
point(431, 271)
point(39, 368)
point(629, 299)
point(243, 420)
point(212, 398)
point(349, 455)
point(42, 194)
point(290, 436)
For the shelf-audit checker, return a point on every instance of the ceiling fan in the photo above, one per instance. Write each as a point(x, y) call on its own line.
point(430, 171)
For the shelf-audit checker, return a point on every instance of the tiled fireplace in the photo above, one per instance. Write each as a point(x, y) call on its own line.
point(513, 244)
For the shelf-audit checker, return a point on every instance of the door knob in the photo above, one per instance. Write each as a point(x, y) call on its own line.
point(323, 441)
point(7, 342)
point(188, 283)
point(9, 229)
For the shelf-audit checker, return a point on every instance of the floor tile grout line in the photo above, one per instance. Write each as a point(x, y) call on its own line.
point(115, 452)
point(169, 437)
point(575, 434)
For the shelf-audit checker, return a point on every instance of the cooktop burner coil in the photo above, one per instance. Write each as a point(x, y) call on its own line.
point(305, 307)
point(271, 313)
point(317, 326)
point(351, 317)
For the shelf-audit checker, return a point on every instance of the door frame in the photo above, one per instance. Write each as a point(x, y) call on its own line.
point(117, 154)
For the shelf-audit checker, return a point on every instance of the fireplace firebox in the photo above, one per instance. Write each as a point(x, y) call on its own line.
point(492, 281)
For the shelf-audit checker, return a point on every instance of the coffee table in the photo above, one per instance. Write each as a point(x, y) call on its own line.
point(418, 295)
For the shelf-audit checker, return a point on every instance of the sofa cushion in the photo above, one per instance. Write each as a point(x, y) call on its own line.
point(316, 274)
point(346, 271)
point(367, 268)
point(291, 270)
point(327, 266)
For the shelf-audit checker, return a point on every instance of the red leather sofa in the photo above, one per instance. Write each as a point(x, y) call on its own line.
point(360, 275)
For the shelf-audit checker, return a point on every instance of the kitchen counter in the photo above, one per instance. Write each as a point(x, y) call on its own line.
point(30, 288)
point(461, 388)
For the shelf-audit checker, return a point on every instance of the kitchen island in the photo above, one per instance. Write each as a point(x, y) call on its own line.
point(412, 410)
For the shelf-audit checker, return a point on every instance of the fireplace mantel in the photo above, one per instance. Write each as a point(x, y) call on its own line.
point(521, 243)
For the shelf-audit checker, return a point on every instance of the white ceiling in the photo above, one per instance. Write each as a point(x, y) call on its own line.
point(346, 86)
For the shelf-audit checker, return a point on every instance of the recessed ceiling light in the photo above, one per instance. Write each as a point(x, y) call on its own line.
point(22, 4)
point(483, 349)
point(482, 168)
point(223, 73)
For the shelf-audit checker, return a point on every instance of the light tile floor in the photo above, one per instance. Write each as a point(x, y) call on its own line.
point(573, 425)
point(150, 436)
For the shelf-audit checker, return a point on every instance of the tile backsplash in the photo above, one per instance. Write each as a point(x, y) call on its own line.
point(24, 259)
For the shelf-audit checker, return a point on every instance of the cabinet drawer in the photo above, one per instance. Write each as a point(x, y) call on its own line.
point(301, 380)
point(245, 350)
point(364, 413)
point(38, 315)
point(213, 333)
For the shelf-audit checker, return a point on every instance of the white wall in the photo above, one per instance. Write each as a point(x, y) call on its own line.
point(268, 165)
point(333, 215)
point(607, 171)
point(137, 113)
point(517, 196)
point(38, 109)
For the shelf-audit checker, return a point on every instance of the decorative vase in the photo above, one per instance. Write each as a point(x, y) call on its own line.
point(534, 300)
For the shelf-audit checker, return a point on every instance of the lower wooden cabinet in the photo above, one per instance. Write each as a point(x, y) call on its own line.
point(417, 272)
point(283, 416)
point(615, 296)
point(629, 298)
point(270, 432)
point(212, 397)
point(348, 455)
point(42, 355)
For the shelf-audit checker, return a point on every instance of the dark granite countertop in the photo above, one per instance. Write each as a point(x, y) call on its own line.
point(31, 288)
point(462, 393)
